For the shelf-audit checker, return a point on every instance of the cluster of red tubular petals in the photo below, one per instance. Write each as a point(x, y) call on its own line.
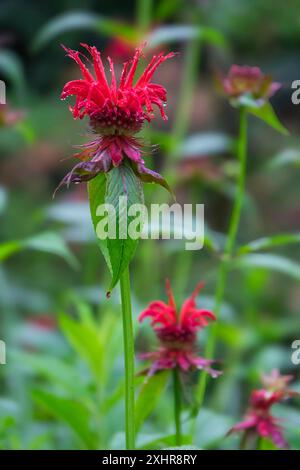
point(116, 112)
point(116, 108)
point(177, 333)
point(242, 80)
point(258, 419)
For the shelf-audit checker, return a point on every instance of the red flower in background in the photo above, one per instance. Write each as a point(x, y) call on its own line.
point(116, 113)
point(10, 117)
point(245, 80)
point(177, 333)
point(119, 48)
point(258, 419)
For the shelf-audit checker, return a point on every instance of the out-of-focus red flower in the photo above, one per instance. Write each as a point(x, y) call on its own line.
point(10, 117)
point(258, 419)
point(245, 80)
point(119, 49)
point(116, 113)
point(43, 322)
point(202, 167)
point(177, 333)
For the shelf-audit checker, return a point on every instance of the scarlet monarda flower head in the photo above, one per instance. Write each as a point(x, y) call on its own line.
point(116, 112)
point(247, 81)
point(258, 419)
point(177, 333)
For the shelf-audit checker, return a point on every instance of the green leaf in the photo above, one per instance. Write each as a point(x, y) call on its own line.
point(77, 21)
point(97, 190)
point(265, 112)
point(9, 248)
point(122, 182)
point(284, 158)
point(270, 242)
point(47, 242)
point(205, 144)
point(11, 67)
point(85, 339)
point(270, 262)
point(51, 242)
point(72, 412)
point(3, 199)
point(211, 428)
point(165, 9)
point(175, 33)
point(149, 395)
point(51, 368)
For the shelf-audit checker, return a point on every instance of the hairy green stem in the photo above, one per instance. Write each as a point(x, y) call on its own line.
point(128, 359)
point(229, 249)
point(177, 406)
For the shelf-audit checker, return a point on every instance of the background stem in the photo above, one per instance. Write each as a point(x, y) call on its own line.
point(143, 15)
point(184, 104)
point(229, 248)
point(177, 406)
point(128, 359)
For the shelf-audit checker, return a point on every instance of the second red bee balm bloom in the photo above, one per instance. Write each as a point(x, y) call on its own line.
point(243, 80)
point(177, 334)
point(258, 419)
point(116, 113)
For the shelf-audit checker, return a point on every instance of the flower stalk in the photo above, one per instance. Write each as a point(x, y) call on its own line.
point(128, 339)
point(177, 406)
point(229, 247)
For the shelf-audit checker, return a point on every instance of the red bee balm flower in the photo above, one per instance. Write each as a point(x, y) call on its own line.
point(177, 334)
point(116, 113)
point(258, 419)
point(245, 80)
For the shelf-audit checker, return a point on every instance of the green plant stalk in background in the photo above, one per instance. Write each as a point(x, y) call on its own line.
point(143, 15)
point(179, 130)
point(128, 359)
point(177, 406)
point(229, 248)
point(184, 104)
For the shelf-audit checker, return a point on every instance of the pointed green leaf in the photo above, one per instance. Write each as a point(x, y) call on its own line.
point(183, 32)
point(85, 339)
point(78, 21)
point(286, 157)
point(8, 249)
point(270, 242)
point(270, 262)
point(149, 395)
point(73, 412)
point(11, 67)
point(122, 183)
point(97, 190)
point(51, 242)
point(47, 242)
point(205, 144)
point(266, 113)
